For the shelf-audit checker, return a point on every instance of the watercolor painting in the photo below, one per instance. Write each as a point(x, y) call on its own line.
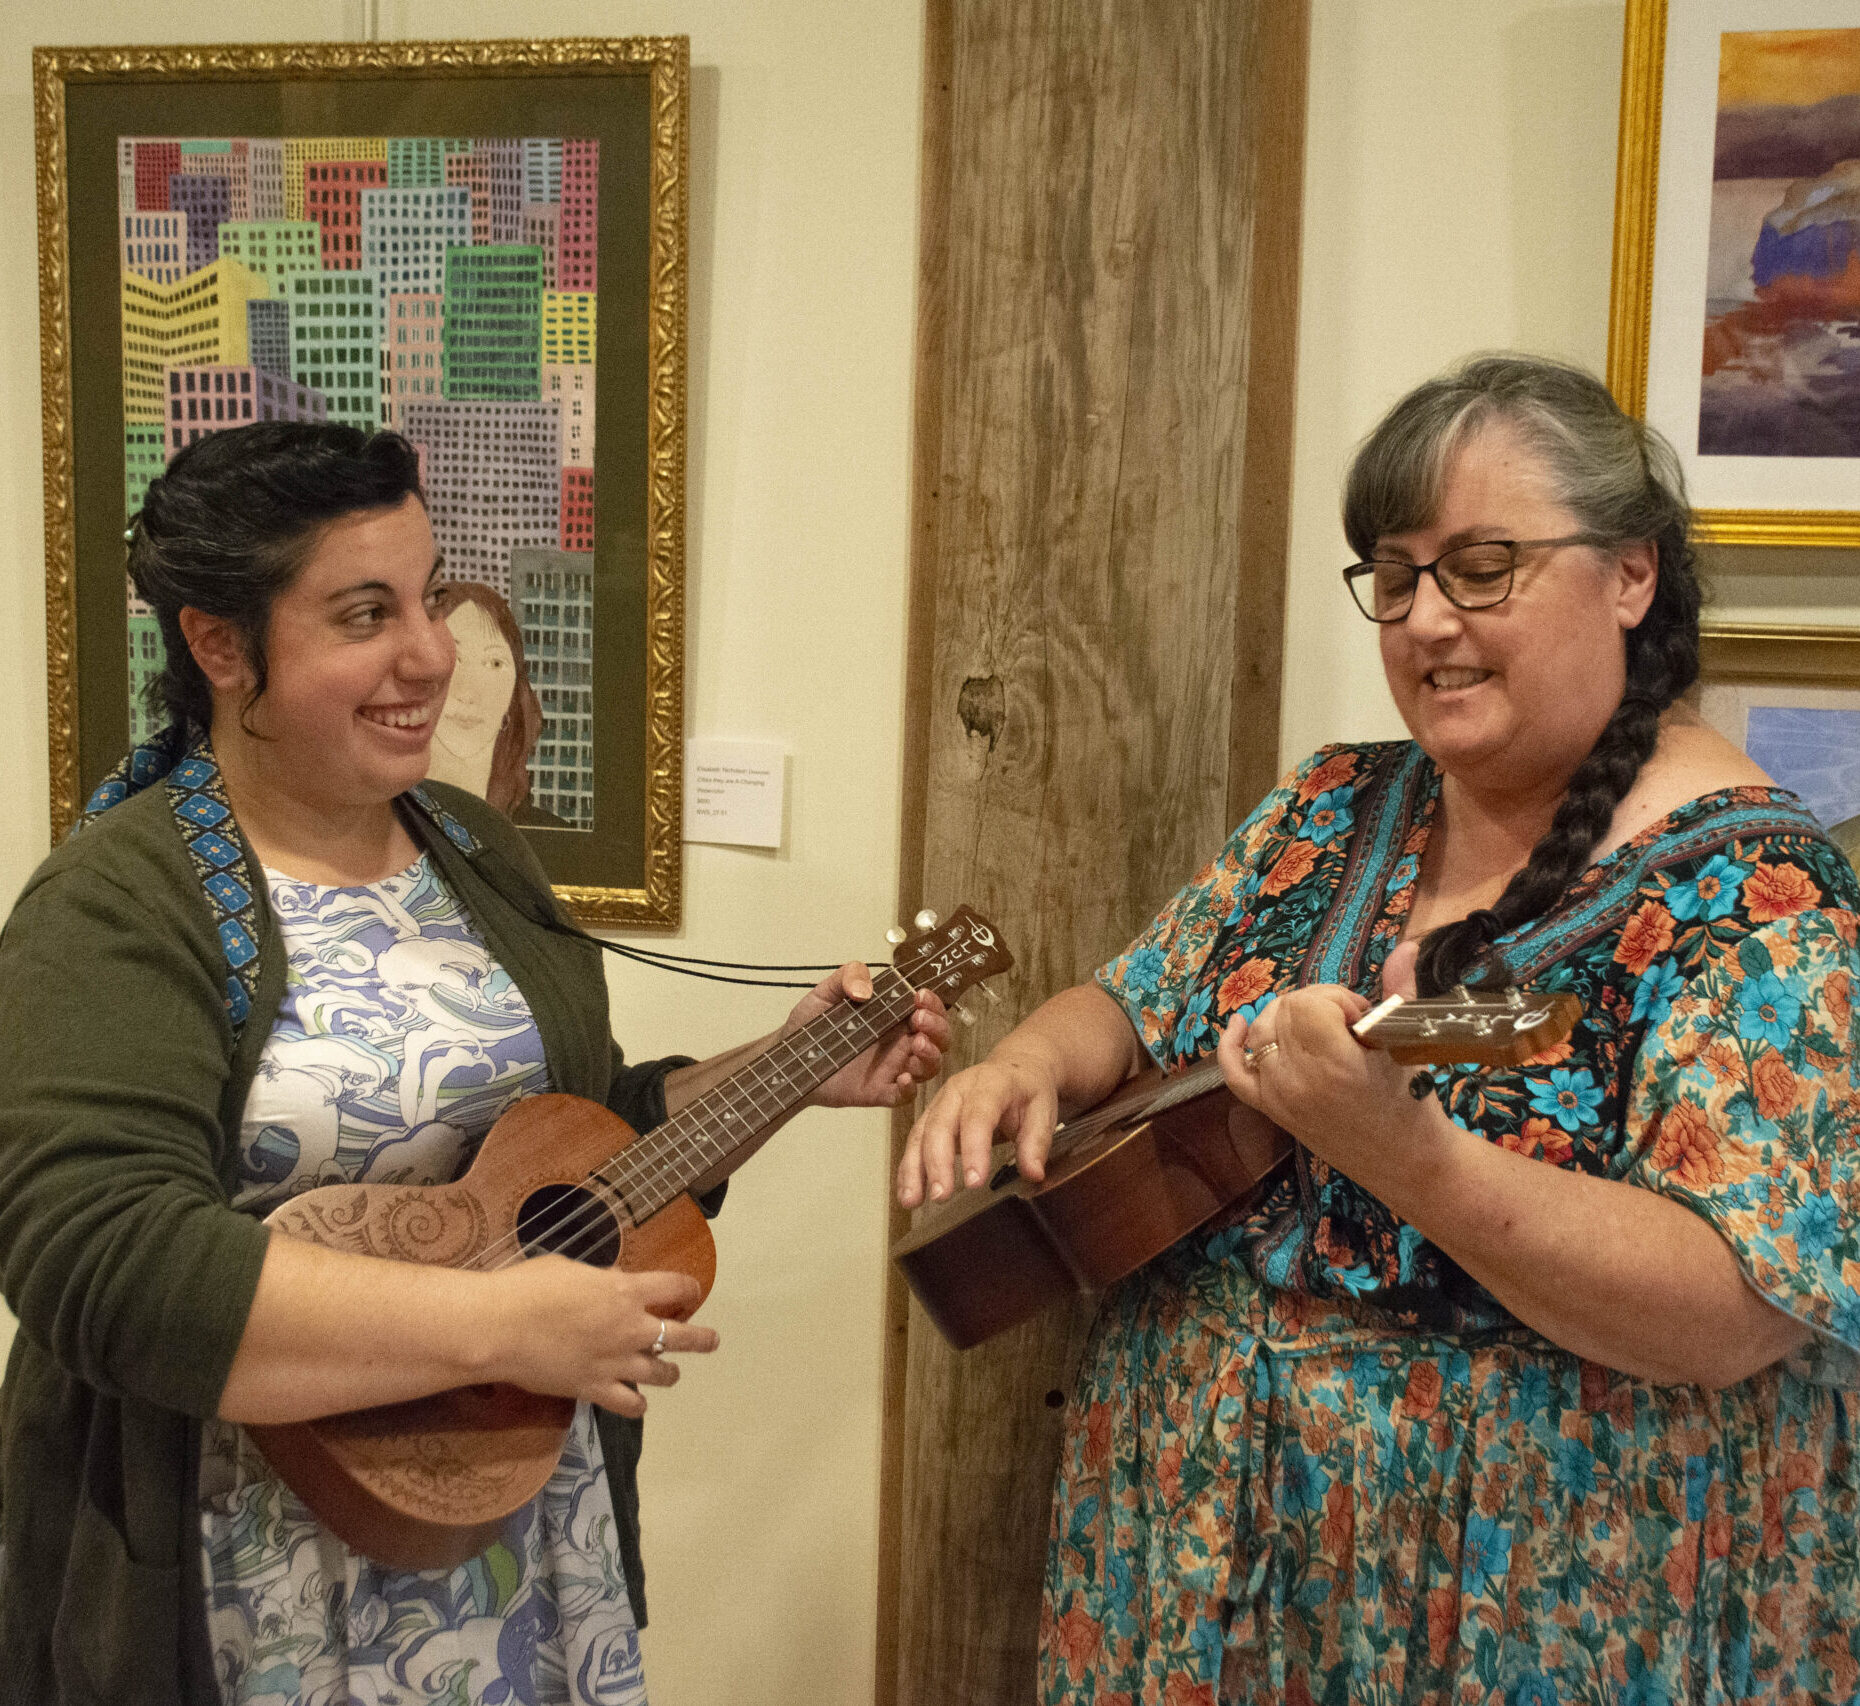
point(1806, 737)
point(444, 287)
point(1813, 751)
point(1781, 367)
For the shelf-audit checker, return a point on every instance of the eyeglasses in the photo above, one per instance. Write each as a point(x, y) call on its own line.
point(1472, 577)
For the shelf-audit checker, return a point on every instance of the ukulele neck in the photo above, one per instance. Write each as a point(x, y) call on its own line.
point(702, 1135)
point(1505, 1028)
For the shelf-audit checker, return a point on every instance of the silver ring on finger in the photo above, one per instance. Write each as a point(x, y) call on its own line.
point(657, 1348)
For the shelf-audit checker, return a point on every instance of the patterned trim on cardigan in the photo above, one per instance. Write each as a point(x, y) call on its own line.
point(222, 864)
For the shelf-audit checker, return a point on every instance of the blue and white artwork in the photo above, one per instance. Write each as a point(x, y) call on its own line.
point(1813, 752)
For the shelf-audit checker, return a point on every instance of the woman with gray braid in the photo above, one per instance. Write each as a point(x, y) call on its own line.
point(1529, 1384)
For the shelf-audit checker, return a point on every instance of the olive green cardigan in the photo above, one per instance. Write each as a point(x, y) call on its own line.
point(122, 1081)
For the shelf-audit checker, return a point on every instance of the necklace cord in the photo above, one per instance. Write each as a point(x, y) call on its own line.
point(523, 896)
point(803, 1062)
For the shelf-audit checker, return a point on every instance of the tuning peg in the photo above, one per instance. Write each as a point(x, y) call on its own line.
point(925, 920)
point(962, 1013)
point(988, 990)
point(895, 934)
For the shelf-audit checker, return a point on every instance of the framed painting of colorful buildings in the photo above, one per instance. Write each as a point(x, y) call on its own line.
point(1735, 321)
point(479, 245)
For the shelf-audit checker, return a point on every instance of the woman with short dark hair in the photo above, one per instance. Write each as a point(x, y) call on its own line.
point(273, 959)
point(1529, 1384)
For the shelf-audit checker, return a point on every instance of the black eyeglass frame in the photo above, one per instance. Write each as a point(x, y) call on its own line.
point(1357, 571)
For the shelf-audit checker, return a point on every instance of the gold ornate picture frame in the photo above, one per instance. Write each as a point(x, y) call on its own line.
point(1694, 343)
point(1734, 652)
point(123, 128)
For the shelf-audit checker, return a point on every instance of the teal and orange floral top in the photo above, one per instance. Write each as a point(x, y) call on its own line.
point(1310, 1458)
point(1714, 956)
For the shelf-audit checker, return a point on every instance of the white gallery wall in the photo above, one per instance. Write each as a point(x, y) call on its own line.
point(1459, 196)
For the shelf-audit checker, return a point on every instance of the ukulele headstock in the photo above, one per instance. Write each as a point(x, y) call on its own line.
point(953, 956)
point(1506, 1028)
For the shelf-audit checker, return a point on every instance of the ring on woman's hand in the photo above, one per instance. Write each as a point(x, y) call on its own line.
point(1253, 1056)
point(657, 1348)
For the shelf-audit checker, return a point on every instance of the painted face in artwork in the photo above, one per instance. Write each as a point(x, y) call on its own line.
point(483, 682)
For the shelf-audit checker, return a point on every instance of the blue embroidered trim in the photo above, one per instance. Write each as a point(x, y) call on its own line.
point(183, 759)
point(145, 765)
point(197, 797)
point(1336, 950)
point(454, 831)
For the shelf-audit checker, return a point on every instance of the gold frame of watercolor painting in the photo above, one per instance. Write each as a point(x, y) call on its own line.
point(1688, 323)
point(608, 658)
point(1748, 653)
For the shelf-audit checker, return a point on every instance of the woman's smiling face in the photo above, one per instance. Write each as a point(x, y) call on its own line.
point(1512, 697)
point(357, 656)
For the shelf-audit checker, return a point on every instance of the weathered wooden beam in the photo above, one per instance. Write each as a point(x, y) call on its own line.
point(1105, 345)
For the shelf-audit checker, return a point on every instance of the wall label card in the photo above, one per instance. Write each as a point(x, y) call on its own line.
point(733, 791)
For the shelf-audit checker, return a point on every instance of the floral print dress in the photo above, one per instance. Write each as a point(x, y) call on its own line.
point(1310, 1460)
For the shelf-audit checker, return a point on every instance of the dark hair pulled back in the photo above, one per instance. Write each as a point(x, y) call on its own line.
point(1622, 482)
point(232, 521)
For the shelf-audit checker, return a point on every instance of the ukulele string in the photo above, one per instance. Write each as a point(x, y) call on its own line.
point(631, 1173)
point(1398, 1025)
point(1401, 1024)
point(858, 1029)
point(1184, 1087)
point(584, 1231)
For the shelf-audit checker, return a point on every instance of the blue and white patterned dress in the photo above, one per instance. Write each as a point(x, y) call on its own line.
point(399, 1043)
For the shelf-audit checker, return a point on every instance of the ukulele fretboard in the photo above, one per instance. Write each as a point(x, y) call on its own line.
point(668, 1160)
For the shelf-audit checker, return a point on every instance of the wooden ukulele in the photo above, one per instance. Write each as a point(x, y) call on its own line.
point(430, 1483)
point(1159, 1157)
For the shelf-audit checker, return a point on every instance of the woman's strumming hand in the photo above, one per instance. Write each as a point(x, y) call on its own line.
point(1010, 1095)
point(1070, 1052)
point(564, 1327)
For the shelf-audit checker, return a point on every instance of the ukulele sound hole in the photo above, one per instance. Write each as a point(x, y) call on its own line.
point(565, 1220)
